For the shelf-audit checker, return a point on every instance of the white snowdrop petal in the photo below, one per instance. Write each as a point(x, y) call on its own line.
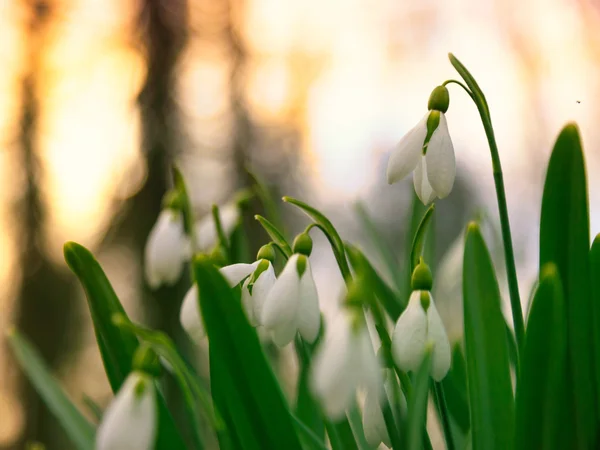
point(373, 421)
point(441, 163)
point(331, 378)
point(230, 216)
point(405, 155)
point(190, 315)
point(248, 303)
point(422, 187)
point(237, 272)
point(165, 250)
point(129, 423)
point(442, 354)
point(281, 304)
point(260, 291)
point(410, 334)
point(284, 333)
point(309, 314)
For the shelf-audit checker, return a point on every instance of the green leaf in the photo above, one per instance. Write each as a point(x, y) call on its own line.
point(188, 214)
point(565, 241)
point(386, 295)
point(117, 345)
point(417, 405)
point(488, 369)
point(595, 278)
point(307, 409)
point(264, 194)
point(248, 392)
point(194, 394)
point(455, 389)
point(541, 403)
point(419, 240)
point(275, 235)
point(79, 430)
point(383, 248)
point(330, 232)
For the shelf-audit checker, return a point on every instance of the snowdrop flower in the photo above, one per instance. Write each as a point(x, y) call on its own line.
point(129, 423)
point(344, 362)
point(427, 151)
point(418, 325)
point(259, 279)
point(206, 230)
point(167, 250)
point(292, 304)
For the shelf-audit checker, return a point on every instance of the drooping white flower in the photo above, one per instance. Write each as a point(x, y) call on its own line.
point(293, 304)
point(167, 250)
point(432, 162)
point(343, 363)
point(190, 315)
point(418, 325)
point(255, 290)
point(206, 230)
point(129, 423)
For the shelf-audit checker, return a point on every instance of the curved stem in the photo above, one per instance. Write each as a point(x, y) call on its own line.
point(478, 98)
point(462, 85)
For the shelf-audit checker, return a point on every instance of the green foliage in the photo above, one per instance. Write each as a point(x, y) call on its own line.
point(541, 402)
point(79, 430)
point(490, 391)
point(565, 242)
point(244, 387)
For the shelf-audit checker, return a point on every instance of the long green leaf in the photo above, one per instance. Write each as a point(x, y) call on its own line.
point(418, 243)
point(417, 405)
point(386, 295)
point(541, 402)
point(307, 409)
point(275, 235)
point(595, 279)
point(565, 241)
point(266, 198)
point(330, 232)
point(247, 389)
point(79, 430)
point(455, 389)
point(490, 390)
point(383, 248)
point(117, 345)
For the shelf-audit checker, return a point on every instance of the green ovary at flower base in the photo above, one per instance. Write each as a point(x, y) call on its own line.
point(427, 151)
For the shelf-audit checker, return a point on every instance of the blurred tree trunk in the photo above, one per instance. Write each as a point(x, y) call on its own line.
point(47, 299)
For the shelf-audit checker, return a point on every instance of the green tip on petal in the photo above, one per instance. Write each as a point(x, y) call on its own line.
point(173, 199)
point(425, 300)
point(439, 100)
point(421, 280)
point(303, 244)
point(301, 265)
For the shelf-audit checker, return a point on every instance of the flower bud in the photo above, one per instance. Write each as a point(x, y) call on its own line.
point(439, 100)
point(172, 200)
point(422, 279)
point(266, 252)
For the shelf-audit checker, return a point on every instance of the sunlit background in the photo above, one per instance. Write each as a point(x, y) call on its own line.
point(97, 98)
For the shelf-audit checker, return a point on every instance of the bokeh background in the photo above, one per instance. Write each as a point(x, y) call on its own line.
point(98, 98)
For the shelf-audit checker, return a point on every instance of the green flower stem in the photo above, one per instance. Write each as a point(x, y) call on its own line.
point(390, 424)
point(444, 414)
point(223, 242)
point(478, 98)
